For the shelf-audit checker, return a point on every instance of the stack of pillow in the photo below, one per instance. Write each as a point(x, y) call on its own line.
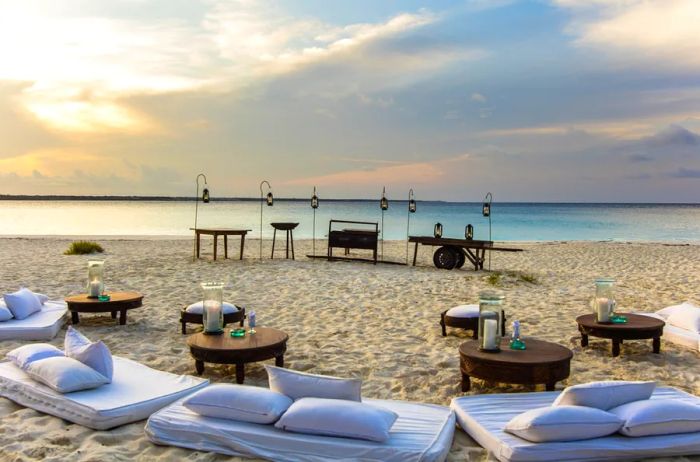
point(598, 409)
point(82, 366)
point(685, 316)
point(21, 304)
point(298, 402)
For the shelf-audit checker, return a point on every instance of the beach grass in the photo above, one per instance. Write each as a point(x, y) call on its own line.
point(83, 248)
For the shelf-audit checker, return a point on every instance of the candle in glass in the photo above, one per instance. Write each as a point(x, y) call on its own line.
point(490, 332)
point(95, 288)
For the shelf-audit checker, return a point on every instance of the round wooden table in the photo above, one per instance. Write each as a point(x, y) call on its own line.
point(542, 362)
point(266, 343)
point(637, 327)
point(119, 302)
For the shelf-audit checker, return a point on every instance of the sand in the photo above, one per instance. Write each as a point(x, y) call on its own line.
point(380, 323)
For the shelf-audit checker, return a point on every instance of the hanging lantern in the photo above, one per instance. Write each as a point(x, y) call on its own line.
point(269, 199)
point(384, 202)
point(314, 200)
point(412, 205)
point(469, 232)
point(205, 195)
point(490, 321)
point(437, 231)
point(486, 209)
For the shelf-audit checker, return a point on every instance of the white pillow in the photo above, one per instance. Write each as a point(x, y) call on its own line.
point(669, 310)
point(563, 423)
point(658, 417)
point(42, 298)
point(687, 318)
point(26, 354)
point(239, 402)
point(22, 303)
point(95, 355)
point(604, 395)
point(198, 308)
point(338, 417)
point(298, 385)
point(464, 311)
point(5, 313)
point(65, 374)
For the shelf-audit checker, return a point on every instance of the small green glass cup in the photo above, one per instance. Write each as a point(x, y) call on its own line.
point(238, 333)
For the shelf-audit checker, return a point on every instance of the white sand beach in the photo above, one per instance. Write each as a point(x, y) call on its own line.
point(380, 323)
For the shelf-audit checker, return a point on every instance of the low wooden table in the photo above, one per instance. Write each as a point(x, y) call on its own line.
point(541, 362)
point(266, 343)
point(220, 232)
point(119, 302)
point(637, 327)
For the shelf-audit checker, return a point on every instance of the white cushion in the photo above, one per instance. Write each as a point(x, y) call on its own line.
point(604, 395)
point(298, 385)
point(198, 308)
point(669, 310)
point(463, 311)
point(22, 303)
point(65, 374)
point(26, 354)
point(95, 355)
point(658, 417)
point(563, 423)
point(338, 417)
point(687, 318)
point(5, 313)
point(239, 402)
point(42, 298)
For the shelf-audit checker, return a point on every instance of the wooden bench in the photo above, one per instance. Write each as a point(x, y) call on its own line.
point(453, 253)
point(347, 238)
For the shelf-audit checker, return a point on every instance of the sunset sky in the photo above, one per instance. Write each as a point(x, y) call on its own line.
point(559, 100)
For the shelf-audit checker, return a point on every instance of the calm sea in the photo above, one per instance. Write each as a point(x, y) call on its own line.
point(510, 221)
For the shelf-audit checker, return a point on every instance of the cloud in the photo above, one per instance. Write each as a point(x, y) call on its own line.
point(683, 172)
point(675, 135)
point(478, 97)
point(640, 158)
point(411, 173)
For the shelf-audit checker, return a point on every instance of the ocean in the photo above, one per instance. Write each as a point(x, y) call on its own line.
point(509, 221)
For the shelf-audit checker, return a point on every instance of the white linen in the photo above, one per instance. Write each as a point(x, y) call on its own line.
point(563, 423)
point(677, 335)
point(65, 374)
point(687, 318)
point(198, 308)
point(22, 303)
point(484, 416)
point(136, 392)
point(604, 395)
point(463, 311)
point(298, 385)
point(42, 298)
point(653, 417)
point(26, 354)
point(422, 433)
point(338, 417)
point(43, 325)
point(93, 354)
point(669, 310)
point(239, 402)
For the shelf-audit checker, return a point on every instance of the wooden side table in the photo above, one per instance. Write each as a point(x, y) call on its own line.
point(542, 362)
point(288, 228)
point(215, 233)
point(637, 327)
point(119, 302)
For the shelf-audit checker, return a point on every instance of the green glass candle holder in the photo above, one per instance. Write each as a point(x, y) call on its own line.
point(517, 344)
point(238, 333)
point(617, 319)
point(104, 298)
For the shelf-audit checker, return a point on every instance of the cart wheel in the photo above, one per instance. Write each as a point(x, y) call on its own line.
point(461, 258)
point(445, 258)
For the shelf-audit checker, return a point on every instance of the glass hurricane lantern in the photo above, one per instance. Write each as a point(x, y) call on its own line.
point(490, 320)
point(95, 279)
point(212, 312)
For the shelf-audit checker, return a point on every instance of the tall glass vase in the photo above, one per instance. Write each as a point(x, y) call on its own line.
point(604, 303)
point(490, 320)
point(95, 279)
point(213, 313)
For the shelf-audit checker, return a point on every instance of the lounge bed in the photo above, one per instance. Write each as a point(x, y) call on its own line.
point(483, 417)
point(136, 392)
point(422, 433)
point(677, 335)
point(43, 325)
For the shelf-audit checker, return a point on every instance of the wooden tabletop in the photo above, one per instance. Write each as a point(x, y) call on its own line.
point(634, 322)
point(264, 337)
point(283, 226)
point(115, 297)
point(538, 352)
point(221, 230)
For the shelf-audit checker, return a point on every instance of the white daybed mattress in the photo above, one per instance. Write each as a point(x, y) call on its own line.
point(43, 325)
point(422, 433)
point(677, 335)
point(136, 392)
point(483, 418)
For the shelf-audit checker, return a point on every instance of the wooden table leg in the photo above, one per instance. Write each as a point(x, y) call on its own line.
point(466, 382)
point(550, 386)
point(291, 236)
point(242, 244)
point(584, 340)
point(114, 315)
point(279, 361)
point(74, 318)
point(274, 238)
point(122, 317)
point(225, 246)
point(615, 347)
point(216, 240)
point(656, 342)
point(199, 366)
point(240, 373)
point(198, 236)
point(415, 254)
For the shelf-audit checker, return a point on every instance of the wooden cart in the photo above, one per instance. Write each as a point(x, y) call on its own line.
point(453, 253)
point(353, 238)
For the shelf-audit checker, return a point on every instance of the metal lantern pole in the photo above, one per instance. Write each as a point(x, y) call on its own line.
point(205, 199)
point(411, 209)
point(486, 211)
point(269, 202)
point(384, 205)
point(314, 206)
